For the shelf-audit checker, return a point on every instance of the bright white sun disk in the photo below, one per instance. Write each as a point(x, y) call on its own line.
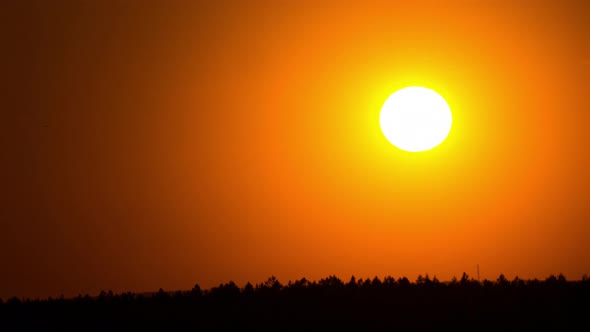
point(415, 119)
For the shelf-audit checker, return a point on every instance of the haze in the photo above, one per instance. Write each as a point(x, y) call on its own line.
point(150, 144)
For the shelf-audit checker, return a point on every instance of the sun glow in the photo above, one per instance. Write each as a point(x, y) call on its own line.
point(415, 119)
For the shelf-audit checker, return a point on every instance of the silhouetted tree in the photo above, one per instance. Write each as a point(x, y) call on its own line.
point(389, 282)
point(273, 283)
point(352, 283)
point(126, 298)
point(502, 281)
point(299, 284)
point(420, 280)
point(161, 295)
point(454, 282)
point(423, 281)
point(248, 289)
point(270, 286)
point(533, 282)
point(376, 283)
point(551, 280)
point(366, 284)
point(435, 281)
point(196, 291)
point(404, 282)
point(517, 282)
point(226, 291)
point(465, 282)
point(331, 282)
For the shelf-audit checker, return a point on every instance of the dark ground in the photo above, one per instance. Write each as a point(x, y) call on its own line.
point(328, 304)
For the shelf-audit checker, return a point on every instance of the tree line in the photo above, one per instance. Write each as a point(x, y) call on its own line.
point(387, 302)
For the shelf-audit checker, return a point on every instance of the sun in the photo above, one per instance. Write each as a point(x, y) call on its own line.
point(415, 119)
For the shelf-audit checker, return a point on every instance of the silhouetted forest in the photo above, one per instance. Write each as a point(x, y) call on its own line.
point(465, 303)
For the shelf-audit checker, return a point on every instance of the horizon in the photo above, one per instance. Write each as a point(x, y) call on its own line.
point(424, 278)
point(371, 303)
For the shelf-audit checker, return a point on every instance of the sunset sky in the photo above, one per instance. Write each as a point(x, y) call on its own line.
point(149, 144)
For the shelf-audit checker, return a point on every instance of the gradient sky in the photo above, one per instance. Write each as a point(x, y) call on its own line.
point(150, 144)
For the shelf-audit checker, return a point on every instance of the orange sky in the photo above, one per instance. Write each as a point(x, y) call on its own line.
point(152, 144)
